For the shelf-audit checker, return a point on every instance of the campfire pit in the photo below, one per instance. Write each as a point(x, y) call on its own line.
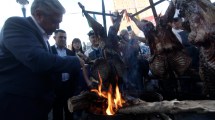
point(114, 105)
point(136, 109)
point(99, 100)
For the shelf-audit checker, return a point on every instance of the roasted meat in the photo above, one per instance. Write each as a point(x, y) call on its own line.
point(111, 65)
point(167, 53)
point(201, 17)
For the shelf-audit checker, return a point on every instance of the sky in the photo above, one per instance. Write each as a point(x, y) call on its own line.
point(74, 23)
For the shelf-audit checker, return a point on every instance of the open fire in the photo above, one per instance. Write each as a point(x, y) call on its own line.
point(101, 104)
point(114, 98)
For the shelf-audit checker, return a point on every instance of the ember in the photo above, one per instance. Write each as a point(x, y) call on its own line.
point(114, 101)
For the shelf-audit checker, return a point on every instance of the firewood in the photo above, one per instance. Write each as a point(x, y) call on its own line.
point(95, 104)
point(174, 106)
point(85, 101)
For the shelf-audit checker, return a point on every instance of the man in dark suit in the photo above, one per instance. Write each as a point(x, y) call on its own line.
point(26, 64)
point(64, 88)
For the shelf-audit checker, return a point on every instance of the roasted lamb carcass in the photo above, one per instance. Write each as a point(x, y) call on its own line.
point(168, 56)
point(200, 14)
point(110, 66)
point(201, 17)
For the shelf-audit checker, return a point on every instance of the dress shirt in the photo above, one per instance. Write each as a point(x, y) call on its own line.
point(45, 36)
point(62, 52)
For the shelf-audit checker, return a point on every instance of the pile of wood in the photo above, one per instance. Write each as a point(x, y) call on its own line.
point(89, 101)
point(95, 104)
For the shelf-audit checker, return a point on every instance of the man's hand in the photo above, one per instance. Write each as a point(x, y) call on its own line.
point(82, 56)
point(81, 62)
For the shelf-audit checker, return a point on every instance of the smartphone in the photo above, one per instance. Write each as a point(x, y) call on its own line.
point(129, 28)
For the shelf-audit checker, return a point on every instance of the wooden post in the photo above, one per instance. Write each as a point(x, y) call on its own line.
point(153, 8)
point(104, 16)
point(146, 8)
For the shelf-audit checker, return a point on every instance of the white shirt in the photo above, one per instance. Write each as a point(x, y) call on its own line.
point(45, 36)
point(62, 53)
point(176, 32)
point(88, 51)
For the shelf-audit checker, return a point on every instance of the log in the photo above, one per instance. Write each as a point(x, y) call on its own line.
point(87, 101)
point(93, 103)
point(173, 107)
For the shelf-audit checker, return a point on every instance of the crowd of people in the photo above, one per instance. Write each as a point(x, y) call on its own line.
point(37, 79)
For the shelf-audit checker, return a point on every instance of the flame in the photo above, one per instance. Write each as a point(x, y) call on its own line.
point(118, 100)
point(110, 110)
point(99, 91)
point(114, 102)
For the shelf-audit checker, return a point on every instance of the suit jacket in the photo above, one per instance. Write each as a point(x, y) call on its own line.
point(25, 62)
